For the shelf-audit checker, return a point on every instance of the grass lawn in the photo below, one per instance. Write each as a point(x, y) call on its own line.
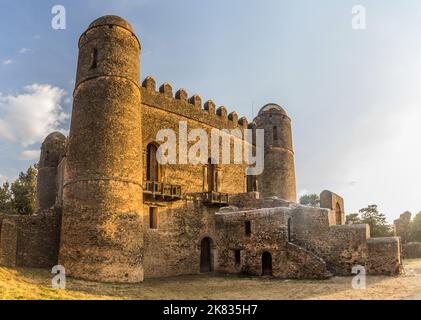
point(36, 284)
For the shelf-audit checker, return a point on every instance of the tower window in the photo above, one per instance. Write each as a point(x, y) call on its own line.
point(153, 217)
point(247, 226)
point(237, 254)
point(275, 133)
point(94, 58)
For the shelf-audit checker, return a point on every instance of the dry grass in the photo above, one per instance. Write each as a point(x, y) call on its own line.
point(36, 284)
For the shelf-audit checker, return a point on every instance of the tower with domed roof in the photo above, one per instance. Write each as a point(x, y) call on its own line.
point(278, 177)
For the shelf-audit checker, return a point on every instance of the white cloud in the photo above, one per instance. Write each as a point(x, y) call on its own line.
point(27, 118)
point(8, 61)
point(29, 155)
point(24, 50)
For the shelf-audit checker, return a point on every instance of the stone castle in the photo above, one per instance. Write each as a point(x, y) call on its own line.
point(108, 211)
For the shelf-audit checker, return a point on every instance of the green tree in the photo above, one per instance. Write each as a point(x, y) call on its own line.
point(353, 218)
point(312, 200)
point(23, 190)
point(376, 220)
point(415, 233)
point(6, 199)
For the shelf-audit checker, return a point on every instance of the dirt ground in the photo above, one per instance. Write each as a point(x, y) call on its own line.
point(36, 284)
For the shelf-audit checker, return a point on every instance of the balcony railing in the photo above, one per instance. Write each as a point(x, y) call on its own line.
point(215, 198)
point(165, 191)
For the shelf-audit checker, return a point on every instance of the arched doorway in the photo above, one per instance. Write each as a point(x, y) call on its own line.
point(212, 176)
point(266, 264)
point(338, 214)
point(153, 172)
point(206, 255)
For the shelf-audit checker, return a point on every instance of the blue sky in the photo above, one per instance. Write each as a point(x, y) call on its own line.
point(353, 95)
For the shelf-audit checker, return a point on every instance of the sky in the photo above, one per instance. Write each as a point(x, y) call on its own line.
point(353, 95)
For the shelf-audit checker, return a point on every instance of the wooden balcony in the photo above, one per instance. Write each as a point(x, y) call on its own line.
point(213, 198)
point(162, 191)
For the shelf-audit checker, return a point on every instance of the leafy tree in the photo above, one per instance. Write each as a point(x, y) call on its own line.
point(23, 190)
point(376, 220)
point(5, 198)
point(353, 218)
point(312, 200)
point(415, 233)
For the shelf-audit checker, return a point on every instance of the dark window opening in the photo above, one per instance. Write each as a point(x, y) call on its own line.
point(289, 230)
point(212, 176)
point(247, 226)
point(94, 58)
point(251, 184)
point(153, 172)
point(237, 257)
point(275, 133)
point(153, 218)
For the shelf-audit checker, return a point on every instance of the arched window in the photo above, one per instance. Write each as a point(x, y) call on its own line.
point(153, 170)
point(338, 214)
point(212, 176)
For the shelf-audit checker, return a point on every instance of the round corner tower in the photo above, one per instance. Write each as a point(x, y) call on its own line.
point(102, 229)
point(278, 177)
point(52, 151)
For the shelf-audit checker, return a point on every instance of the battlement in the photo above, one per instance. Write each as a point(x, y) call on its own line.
point(190, 107)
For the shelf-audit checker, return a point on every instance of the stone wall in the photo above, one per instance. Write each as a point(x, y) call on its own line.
point(403, 226)
point(332, 201)
point(269, 234)
point(412, 250)
point(342, 247)
point(384, 256)
point(173, 248)
point(30, 241)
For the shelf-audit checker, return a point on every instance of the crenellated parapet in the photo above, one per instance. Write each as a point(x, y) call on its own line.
point(190, 107)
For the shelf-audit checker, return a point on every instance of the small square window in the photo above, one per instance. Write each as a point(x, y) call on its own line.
point(153, 218)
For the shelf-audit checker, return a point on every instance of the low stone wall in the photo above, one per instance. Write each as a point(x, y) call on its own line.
point(412, 250)
point(30, 241)
point(384, 256)
point(303, 264)
point(252, 200)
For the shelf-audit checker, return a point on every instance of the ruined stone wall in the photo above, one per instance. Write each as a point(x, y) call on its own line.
point(269, 233)
point(30, 241)
point(332, 201)
point(384, 256)
point(342, 246)
point(403, 226)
